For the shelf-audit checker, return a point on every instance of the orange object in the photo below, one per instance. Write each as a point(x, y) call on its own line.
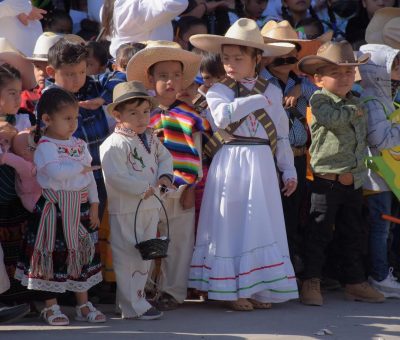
point(391, 219)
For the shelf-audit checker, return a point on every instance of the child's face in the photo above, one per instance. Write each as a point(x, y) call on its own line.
point(297, 5)
point(337, 79)
point(237, 64)
point(254, 8)
point(93, 66)
point(372, 6)
point(10, 97)
point(208, 79)
point(167, 79)
point(184, 41)
point(63, 123)
point(135, 117)
point(70, 77)
point(40, 72)
point(395, 75)
point(282, 64)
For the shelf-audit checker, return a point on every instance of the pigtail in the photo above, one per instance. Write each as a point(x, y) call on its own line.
point(287, 16)
point(107, 17)
point(332, 17)
point(313, 14)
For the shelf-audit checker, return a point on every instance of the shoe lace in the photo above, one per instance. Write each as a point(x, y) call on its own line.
point(391, 277)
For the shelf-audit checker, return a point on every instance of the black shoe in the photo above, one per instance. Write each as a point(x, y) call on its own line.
point(10, 314)
point(152, 314)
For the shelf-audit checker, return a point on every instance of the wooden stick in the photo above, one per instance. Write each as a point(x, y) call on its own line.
point(391, 219)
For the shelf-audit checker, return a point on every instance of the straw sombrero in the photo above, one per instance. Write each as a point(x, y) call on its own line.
point(42, 46)
point(384, 28)
point(283, 32)
point(10, 55)
point(161, 50)
point(126, 91)
point(244, 32)
point(331, 53)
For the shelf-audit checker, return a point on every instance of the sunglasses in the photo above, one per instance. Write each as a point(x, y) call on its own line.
point(284, 61)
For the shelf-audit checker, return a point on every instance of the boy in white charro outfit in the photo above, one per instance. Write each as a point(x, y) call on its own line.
point(134, 164)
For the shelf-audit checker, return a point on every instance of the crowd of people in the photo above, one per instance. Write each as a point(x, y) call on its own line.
point(241, 151)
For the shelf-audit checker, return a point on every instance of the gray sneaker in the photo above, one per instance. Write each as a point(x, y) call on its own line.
point(152, 314)
point(389, 287)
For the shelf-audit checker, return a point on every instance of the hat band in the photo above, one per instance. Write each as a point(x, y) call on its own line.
point(130, 95)
point(42, 56)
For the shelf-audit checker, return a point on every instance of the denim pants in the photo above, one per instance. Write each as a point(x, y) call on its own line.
point(379, 204)
point(329, 201)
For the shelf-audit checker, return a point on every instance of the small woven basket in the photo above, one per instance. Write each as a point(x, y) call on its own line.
point(154, 248)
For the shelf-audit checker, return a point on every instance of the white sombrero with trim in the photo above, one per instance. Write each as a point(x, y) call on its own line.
point(160, 50)
point(244, 32)
point(384, 28)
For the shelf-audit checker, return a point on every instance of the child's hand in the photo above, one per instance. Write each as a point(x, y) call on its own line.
point(291, 99)
point(149, 192)
point(92, 104)
point(289, 187)
point(87, 169)
point(160, 134)
point(94, 215)
point(35, 14)
point(165, 181)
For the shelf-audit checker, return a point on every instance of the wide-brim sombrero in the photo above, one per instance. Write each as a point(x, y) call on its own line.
point(244, 32)
point(157, 51)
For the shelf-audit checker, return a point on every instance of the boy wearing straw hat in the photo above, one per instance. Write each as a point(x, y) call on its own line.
point(297, 91)
point(166, 68)
point(338, 149)
point(135, 164)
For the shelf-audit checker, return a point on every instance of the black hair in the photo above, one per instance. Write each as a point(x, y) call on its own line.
point(89, 29)
point(288, 17)
point(65, 52)
point(8, 73)
point(51, 101)
point(310, 21)
point(138, 101)
point(98, 51)
point(184, 24)
point(212, 64)
point(125, 52)
point(51, 18)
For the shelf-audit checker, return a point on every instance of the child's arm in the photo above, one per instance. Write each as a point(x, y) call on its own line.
point(226, 109)
point(332, 115)
point(21, 166)
point(113, 161)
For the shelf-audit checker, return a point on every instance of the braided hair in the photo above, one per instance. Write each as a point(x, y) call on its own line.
point(287, 16)
point(51, 101)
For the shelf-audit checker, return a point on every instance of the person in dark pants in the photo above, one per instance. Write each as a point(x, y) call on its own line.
point(338, 148)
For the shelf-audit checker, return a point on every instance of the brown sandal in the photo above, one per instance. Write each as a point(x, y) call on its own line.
point(240, 305)
point(260, 305)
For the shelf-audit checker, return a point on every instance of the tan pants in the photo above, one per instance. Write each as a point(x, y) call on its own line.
point(131, 270)
point(174, 269)
point(4, 280)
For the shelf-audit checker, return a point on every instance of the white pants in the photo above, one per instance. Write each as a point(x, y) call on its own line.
point(4, 280)
point(174, 269)
point(131, 270)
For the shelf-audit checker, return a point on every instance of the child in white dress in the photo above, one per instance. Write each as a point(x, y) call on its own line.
point(60, 243)
point(241, 253)
point(135, 163)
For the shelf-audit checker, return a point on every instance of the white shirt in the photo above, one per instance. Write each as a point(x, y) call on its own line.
point(59, 165)
point(138, 20)
point(20, 36)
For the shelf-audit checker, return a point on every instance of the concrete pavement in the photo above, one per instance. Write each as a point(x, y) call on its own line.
point(210, 320)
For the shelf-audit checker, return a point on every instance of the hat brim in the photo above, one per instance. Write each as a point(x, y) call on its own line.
point(37, 59)
point(311, 64)
point(376, 26)
point(139, 64)
point(213, 43)
point(23, 65)
point(110, 107)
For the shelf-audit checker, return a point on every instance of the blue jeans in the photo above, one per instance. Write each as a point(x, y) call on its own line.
point(379, 204)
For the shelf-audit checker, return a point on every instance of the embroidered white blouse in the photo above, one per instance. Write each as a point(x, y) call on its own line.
point(129, 168)
point(60, 163)
point(226, 109)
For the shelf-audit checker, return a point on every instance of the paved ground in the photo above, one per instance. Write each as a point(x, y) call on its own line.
point(200, 320)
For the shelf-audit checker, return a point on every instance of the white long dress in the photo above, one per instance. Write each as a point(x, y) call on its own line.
point(241, 249)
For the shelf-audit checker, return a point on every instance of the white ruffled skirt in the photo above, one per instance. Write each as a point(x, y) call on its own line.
point(241, 249)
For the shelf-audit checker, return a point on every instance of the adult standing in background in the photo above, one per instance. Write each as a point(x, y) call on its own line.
point(135, 20)
point(19, 24)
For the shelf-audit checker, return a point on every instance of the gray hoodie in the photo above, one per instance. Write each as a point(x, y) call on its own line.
point(382, 134)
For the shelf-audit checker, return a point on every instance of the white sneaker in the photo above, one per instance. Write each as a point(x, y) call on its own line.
point(389, 287)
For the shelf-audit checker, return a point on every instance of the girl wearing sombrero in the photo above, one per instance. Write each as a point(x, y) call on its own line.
point(241, 253)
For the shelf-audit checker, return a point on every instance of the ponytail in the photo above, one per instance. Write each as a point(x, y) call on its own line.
point(107, 17)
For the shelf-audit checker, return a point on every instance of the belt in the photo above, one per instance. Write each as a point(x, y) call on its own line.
point(345, 179)
point(247, 141)
point(299, 151)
